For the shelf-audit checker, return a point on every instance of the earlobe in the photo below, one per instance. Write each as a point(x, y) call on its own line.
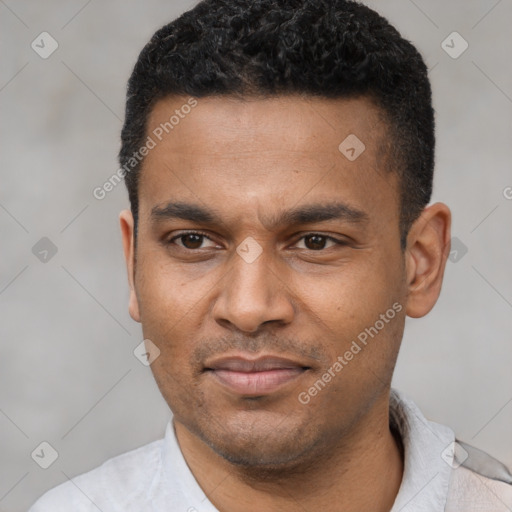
point(127, 231)
point(428, 247)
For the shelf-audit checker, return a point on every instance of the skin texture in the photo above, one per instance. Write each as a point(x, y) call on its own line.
point(304, 298)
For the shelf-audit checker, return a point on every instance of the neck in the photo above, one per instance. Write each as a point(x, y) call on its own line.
point(362, 471)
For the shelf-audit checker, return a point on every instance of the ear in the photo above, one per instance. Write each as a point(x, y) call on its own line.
point(127, 232)
point(428, 248)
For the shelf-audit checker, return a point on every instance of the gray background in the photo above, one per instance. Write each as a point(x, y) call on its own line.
point(67, 370)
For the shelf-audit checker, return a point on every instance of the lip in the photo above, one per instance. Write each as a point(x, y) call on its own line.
point(255, 376)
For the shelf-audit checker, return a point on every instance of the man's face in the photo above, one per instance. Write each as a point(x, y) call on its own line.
point(251, 305)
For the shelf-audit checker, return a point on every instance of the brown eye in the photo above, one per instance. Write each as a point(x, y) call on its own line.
point(317, 242)
point(192, 241)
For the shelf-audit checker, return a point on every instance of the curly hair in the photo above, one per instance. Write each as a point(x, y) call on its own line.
point(322, 48)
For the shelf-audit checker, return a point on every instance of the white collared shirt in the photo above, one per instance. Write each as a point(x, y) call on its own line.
point(440, 475)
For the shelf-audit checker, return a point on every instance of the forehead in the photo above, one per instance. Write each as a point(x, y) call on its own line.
point(240, 155)
point(233, 122)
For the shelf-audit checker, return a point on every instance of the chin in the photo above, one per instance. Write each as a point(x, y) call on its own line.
point(263, 446)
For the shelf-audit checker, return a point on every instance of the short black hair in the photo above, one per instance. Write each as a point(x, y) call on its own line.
point(318, 48)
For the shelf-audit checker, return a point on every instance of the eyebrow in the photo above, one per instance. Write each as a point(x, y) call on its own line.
point(307, 214)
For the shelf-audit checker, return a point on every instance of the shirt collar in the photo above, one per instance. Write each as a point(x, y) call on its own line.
point(427, 458)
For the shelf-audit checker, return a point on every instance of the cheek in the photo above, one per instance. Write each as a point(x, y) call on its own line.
point(164, 308)
point(165, 293)
point(350, 298)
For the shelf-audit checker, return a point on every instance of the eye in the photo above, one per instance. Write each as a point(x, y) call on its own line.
point(191, 240)
point(194, 240)
point(317, 242)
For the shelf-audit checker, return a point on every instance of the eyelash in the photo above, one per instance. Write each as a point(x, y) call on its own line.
point(200, 233)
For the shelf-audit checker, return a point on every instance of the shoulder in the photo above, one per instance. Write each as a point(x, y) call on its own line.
point(479, 482)
point(119, 481)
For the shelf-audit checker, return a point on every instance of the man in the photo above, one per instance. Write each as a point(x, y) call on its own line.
point(279, 158)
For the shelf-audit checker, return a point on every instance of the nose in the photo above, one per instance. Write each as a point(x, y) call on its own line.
point(252, 294)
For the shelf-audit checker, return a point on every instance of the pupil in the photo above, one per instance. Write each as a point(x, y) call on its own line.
point(195, 243)
point(318, 242)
